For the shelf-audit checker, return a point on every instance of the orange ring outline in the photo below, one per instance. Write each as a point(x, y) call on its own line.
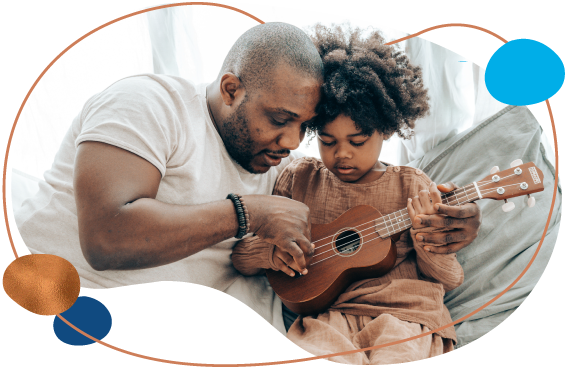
point(294, 360)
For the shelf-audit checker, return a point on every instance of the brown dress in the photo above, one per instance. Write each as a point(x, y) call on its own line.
point(404, 303)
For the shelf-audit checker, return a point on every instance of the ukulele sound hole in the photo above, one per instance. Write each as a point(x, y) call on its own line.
point(347, 242)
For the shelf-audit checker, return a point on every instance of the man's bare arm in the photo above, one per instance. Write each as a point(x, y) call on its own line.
point(123, 226)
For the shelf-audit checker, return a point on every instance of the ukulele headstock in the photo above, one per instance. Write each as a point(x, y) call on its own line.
point(520, 179)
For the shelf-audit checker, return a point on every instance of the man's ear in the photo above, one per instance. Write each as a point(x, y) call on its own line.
point(231, 89)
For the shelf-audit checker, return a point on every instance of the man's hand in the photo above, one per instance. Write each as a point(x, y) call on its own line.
point(463, 220)
point(284, 223)
point(286, 263)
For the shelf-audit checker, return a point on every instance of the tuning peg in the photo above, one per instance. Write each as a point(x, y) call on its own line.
point(516, 163)
point(508, 206)
point(494, 169)
point(531, 201)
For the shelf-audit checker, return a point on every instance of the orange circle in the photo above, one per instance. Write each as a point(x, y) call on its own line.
point(41, 283)
point(295, 360)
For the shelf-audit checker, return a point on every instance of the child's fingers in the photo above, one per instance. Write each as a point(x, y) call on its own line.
point(417, 205)
point(435, 194)
point(410, 209)
point(425, 199)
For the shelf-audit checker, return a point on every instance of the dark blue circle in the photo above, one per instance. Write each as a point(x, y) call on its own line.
point(87, 314)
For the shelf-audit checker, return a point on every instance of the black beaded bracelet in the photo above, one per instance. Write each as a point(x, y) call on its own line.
point(242, 214)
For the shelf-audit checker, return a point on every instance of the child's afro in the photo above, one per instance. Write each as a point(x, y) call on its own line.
point(374, 84)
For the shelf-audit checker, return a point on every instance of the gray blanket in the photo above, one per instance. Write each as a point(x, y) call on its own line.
point(506, 241)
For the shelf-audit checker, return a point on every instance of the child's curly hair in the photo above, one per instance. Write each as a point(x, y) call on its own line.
point(374, 84)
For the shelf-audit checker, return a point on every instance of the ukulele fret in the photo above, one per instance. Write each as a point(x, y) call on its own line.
point(397, 223)
point(464, 189)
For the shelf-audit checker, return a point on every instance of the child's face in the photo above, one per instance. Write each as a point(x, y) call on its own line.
point(346, 152)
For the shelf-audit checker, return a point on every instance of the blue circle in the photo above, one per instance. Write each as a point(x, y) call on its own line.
point(524, 72)
point(87, 314)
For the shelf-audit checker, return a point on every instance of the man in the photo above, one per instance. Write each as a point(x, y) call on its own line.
point(137, 192)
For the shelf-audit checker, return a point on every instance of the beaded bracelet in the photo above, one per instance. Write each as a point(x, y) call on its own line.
point(242, 214)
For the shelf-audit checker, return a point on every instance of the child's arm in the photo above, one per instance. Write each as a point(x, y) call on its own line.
point(443, 268)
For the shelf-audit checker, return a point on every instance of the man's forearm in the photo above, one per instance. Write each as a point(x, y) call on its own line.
point(148, 233)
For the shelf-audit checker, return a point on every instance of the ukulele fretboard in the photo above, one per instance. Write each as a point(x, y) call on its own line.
point(400, 221)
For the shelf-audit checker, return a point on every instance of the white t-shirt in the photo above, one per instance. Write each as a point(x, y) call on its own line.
point(164, 120)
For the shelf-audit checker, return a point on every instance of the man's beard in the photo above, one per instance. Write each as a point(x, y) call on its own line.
point(237, 138)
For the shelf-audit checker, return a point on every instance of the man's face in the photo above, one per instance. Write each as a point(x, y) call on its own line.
point(270, 121)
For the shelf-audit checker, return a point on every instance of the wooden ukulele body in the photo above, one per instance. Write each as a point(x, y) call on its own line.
point(331, 270)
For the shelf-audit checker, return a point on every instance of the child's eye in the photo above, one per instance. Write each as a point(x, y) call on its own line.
point(327, 143)
point(358, 144)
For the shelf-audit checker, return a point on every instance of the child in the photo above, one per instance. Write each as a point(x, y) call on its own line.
point(370, 91)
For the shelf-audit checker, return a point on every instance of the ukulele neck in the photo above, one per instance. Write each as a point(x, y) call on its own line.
point(400, 221)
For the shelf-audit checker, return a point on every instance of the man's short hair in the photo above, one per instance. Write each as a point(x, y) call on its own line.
point(262, 48)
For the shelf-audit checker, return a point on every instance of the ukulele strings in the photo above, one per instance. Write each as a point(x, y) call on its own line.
point(378, 230)
point(384, 221)
point(406, 218)
point(444, 196)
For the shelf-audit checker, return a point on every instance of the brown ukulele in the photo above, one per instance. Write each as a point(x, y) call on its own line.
point(360, 243)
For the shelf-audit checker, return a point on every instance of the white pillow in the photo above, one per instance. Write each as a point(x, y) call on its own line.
point(451, 89)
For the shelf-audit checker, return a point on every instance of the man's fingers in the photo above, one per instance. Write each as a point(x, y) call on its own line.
point(442, 238)
point(288, 260)
point(461, 211)
point(296, 251)
point(446, 249)
point(283, 267)
point(307, 248)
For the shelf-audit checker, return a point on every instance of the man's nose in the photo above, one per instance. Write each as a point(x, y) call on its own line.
point(290, 138)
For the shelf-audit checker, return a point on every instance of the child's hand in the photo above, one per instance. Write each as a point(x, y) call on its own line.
point(425, 202)
point(285, 262)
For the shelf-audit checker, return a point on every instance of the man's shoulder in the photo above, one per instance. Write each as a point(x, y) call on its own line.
point(148, 83)
point(147, 98)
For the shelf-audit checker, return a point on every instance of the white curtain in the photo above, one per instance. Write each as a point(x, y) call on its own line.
point(458, 97)
point(119, 50)
point(175, 47)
